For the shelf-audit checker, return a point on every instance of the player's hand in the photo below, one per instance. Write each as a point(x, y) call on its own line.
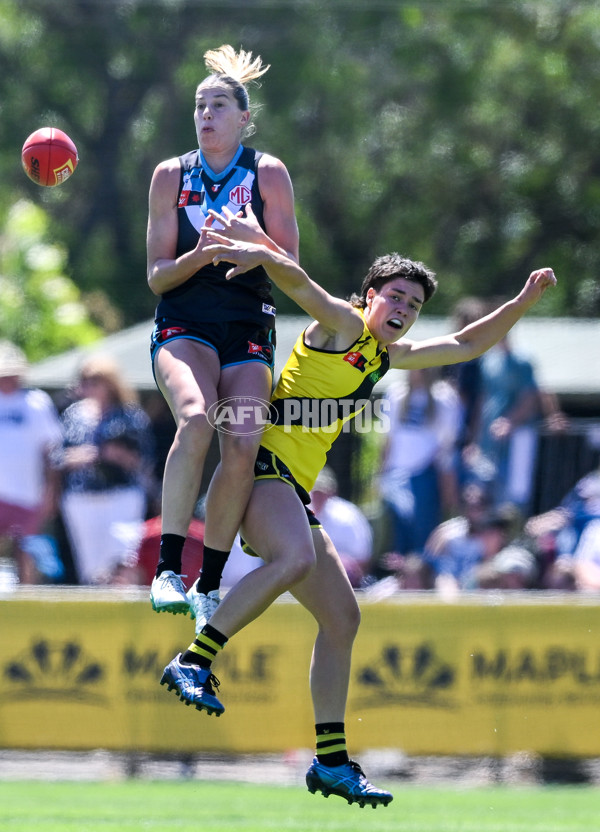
point(236, 226)
point(203, 242)
point(537, 283)
point(243, 256)
point(542, 278)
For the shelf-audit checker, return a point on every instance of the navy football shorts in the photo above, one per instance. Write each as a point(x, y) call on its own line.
point(235, 342)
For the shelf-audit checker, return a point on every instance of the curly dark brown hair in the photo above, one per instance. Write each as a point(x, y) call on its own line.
point(390, 266)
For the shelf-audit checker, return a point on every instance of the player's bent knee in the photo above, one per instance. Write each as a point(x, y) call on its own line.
point(303, 568)
point(194, 433)
point(239, 452)
point(342, 623)
point(299, 567)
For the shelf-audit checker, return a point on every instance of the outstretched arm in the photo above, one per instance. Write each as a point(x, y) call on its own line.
point(478, 336)
point(334, 314)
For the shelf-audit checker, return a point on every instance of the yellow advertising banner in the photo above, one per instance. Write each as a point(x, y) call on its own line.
point(428, 678)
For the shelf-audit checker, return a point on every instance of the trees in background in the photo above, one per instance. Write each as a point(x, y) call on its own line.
point(464, 134)
point(41, 307)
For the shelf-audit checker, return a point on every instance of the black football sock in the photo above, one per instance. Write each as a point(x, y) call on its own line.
point(204, 649)
point(213, 563)
point(331, 744)
point(171, 547)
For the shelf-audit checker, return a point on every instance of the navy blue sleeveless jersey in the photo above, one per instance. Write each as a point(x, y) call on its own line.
point(207, 296)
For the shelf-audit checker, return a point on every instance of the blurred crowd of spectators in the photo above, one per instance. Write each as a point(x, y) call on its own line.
point(458, 476)
point(77, 479)
point(80, 485)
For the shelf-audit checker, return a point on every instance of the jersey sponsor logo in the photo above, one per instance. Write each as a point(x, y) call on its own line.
point(265, 351)
point(268, 310)
point(171, 332)
point(190, 198)
point(357, 359)
point(240, 195)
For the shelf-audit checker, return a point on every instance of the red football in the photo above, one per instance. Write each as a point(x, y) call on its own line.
point(49, 157)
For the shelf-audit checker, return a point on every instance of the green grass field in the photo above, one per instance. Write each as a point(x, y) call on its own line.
point(136, 805)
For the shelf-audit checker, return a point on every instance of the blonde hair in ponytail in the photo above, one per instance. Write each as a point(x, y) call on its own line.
point(234, 70)
point(238, 65)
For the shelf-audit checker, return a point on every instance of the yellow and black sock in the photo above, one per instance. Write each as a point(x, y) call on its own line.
point(206, 646)
point(331, 744)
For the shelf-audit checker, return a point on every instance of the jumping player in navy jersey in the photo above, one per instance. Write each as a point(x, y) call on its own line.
point(213, 338)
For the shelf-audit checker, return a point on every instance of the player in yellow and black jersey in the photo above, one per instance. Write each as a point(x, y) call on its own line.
point(325, 382)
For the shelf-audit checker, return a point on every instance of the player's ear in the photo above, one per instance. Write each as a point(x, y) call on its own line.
point(369, 296)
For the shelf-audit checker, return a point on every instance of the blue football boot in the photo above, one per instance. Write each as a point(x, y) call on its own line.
point(347, 781)
point(193, 685)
